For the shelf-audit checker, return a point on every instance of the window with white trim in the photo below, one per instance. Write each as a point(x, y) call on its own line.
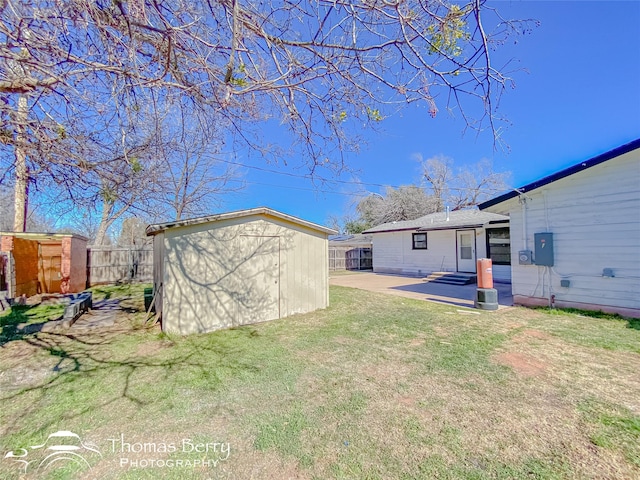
point(419, 241)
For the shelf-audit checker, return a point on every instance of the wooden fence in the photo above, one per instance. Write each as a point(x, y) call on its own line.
point(119, 264)
point(350, 258)
point(110, 264)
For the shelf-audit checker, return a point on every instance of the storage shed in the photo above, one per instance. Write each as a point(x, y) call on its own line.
point(576, 235)
point(43, 263)
point(238, 268)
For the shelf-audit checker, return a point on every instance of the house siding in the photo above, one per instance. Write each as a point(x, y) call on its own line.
point(594, 216)
point(394, 253)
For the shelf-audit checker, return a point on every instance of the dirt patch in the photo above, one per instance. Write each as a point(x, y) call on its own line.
point(416, 342)
point(17, 350)
point(528, 334)
point(524, 364)
point(537, 334)
point(23, 376)
point(513, 325)
point(442, 331)
point(386, 373)
point(343, 340)
point(407, 401)
point(151, 348)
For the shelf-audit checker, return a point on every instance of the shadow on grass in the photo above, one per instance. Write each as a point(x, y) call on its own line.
point(86, 359)
point(9, 323)
point(25, 320)
point(633, 323)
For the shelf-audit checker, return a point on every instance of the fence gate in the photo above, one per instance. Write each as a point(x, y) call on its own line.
point(349, 258)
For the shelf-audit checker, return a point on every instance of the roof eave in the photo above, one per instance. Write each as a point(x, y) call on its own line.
point(611, 154)
point(155, 229)
point(370, 232)
point(450, 227)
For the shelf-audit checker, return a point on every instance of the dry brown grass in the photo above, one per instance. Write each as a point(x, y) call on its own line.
point(374, 387)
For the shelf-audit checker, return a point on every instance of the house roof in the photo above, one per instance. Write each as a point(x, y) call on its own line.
point(161, 227)
point(442, 221)
point(350, 239)
point(616, 152)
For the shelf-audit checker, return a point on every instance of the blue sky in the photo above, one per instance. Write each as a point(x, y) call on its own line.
point(578, 95)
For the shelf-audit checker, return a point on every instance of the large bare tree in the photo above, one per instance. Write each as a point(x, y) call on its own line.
point(444, 186)
point(462, 187)
point(191, 177)
point(320, 68)
point(407, 202)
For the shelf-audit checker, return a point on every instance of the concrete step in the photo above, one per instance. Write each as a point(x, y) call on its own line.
point(451, 278)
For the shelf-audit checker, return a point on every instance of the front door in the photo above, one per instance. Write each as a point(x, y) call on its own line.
point(466, 250)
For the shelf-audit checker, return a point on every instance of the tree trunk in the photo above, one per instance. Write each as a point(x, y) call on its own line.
point(22, 173)
point(105, 223)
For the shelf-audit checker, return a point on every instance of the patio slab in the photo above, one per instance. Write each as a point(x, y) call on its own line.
point(103, 314)
point(415, 287)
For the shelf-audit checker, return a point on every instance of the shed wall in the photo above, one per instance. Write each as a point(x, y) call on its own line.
point(240, 271)
point(74, 264)
point(594, 216)
point(158, 271)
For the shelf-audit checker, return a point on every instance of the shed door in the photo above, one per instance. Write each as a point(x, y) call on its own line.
point(466, 246)
point(51, 268)
point(259, 271)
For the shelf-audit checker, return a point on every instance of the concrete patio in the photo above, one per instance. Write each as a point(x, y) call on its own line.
point(415, 287)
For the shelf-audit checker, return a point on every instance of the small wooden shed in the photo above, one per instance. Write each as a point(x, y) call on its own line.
point(238, 268)
point(43, 263)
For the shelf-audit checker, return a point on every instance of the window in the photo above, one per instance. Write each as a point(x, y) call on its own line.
point(499, 246)
point(419, 241)
point(466, 240)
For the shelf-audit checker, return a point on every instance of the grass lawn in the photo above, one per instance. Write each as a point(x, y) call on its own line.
point(376, 386)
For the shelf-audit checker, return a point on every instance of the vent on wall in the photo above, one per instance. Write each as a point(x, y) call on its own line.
point(525, 257)
point(608, 272)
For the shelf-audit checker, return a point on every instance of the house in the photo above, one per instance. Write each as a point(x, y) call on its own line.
point(238, 268)
point(576, 235)
point(443, 242)
point(36, 263)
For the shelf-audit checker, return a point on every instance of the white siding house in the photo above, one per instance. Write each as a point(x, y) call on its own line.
point(442, 242)
point(592, 210)
point(238, 268)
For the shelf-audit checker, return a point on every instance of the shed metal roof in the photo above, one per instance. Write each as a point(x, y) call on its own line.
point(44, 236)
point(161, 227)
point(442, 221)
point(578, 167)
